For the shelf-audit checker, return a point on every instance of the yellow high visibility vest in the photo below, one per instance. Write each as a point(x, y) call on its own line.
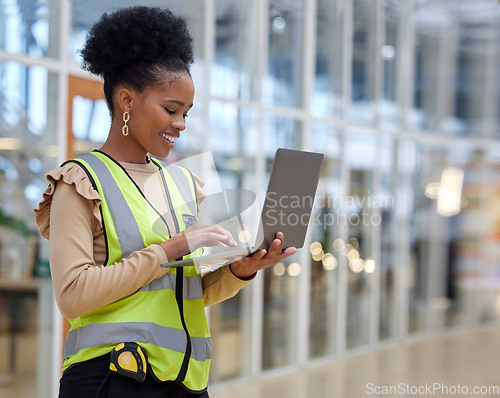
point(166, 317)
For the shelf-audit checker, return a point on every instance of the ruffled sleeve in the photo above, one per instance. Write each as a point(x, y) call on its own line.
point(199, 183)
point(71, 174)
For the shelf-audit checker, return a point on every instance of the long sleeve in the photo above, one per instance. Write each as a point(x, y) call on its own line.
point(69, 216)
point(221, 284)
point(81, 285)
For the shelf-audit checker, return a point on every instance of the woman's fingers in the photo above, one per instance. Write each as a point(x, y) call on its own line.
point(208, 235)
point(247, 266)
point(275, 248)
point(195, 237)
point(221, 235)
point(288, 252)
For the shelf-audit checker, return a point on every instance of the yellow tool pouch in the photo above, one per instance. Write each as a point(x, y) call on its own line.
point(129, 360)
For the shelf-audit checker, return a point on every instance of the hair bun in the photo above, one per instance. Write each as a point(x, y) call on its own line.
point(136, 35)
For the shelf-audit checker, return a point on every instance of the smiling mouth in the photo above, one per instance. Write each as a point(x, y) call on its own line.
point(168, 137)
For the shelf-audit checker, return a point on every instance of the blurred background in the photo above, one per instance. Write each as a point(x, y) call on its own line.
point(402, 97)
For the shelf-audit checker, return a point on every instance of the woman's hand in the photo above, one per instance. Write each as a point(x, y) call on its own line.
point(194, 237)
point(245, 267)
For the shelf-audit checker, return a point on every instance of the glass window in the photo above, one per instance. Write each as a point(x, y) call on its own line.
point(236, 56)
point(27, 152)
point(495, 127)
point(391, 52)
point(282, 83)
point(324, 229)
point(91, 122)
point(24, 28)
point(436, 40)
point(364, 56)
point(88, 115)
point(428, 240)
point(280, 132)
point(26, 103)
point(194, 137)
point(390, 239)
point(476, 76)
point(280, 281)
point(328, 90)
point(426, 59)
point(230, 330)
point(453, 231)
point(472, 290)
point(477, 71)
point(362, 206)
point(234, 131)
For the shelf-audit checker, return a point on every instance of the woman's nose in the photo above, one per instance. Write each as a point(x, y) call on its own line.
point(179, 123)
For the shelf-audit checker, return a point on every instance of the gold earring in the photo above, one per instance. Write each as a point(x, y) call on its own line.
point(126, 118)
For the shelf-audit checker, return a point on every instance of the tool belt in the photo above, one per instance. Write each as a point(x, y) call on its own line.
point(129, 360)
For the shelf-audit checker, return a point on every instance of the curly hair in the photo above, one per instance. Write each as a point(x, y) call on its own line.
point(135, 46)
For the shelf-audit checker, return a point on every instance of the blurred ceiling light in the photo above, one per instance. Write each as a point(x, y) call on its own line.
point(450, 192)
point(356, 265)
point(346, 249)
point(279, 24)
point(318, 256)
point(354, 242)
point(315, 248)
point(388, 52)
point(294, 269)
point(370, 266)
point(353, 254)
point(338, 244)
point(432, 190)
point(10, 144)
point(329, 262)
point(279, 269)
point(244, 236)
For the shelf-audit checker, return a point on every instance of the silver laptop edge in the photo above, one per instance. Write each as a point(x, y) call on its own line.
point(287, 207)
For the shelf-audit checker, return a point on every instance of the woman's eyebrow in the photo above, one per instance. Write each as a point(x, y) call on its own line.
point(180, 103)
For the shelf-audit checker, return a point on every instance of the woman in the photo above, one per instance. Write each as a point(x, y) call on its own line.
point(115, 215)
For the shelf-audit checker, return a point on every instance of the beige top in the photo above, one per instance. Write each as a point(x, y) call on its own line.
point(70, 218)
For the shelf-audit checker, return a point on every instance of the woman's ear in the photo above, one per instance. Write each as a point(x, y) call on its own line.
point(125, 99)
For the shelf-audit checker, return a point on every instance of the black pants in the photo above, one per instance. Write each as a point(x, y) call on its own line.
point(93, 379)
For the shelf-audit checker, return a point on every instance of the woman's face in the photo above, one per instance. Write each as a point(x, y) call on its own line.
point(158, 115)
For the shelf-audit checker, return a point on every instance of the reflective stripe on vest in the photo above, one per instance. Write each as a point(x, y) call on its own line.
point(173, 339)
point(127, 222)
point(127, 230)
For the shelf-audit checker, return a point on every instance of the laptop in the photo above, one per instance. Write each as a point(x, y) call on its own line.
point(287, 208)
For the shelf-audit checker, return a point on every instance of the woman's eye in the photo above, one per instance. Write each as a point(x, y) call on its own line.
point(171, 112)
point(186, 115)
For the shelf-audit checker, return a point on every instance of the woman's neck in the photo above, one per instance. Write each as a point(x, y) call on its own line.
point(118, 147)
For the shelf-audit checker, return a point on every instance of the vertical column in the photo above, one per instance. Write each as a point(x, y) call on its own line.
point(62, 140)
point(209, 30)
point(261, 28)
point(446, 75)
point(345, 175)
point(308, 69)
point(491, 76)
point(208, 57)
point(405, 67)
point(405, 78)
point(375, 230)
